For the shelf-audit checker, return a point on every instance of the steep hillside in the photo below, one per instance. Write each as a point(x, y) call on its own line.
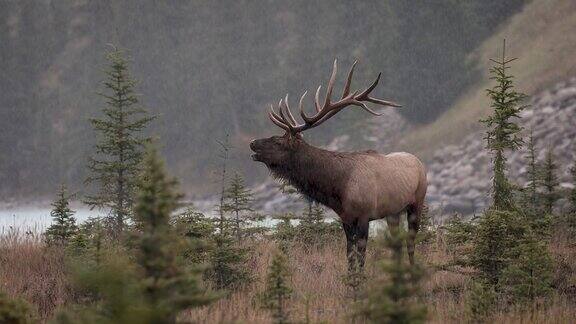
point(542, 36)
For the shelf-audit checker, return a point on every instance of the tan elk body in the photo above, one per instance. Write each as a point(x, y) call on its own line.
point(358, 186)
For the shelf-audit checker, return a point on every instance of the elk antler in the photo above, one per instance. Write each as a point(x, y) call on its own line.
point(285, 120)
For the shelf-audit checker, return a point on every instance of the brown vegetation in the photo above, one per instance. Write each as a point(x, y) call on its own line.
point(30, 270)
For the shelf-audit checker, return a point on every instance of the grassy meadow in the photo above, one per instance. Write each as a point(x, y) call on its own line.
point(40, 275)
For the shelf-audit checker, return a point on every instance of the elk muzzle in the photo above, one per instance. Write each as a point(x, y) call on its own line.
point(256, 147)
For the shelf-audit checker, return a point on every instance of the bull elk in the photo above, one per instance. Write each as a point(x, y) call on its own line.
point(358, 186)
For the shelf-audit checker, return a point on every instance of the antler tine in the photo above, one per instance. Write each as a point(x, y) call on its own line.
point(285, 119)
point(281, 118)
point(276, 121)
point(274, 114)
point(317, 99)
point(364, 96)
point(383, 102)
point(349, 81)
point(292, 120)
point(363, 105)
point(301, 106)
point(331, 84)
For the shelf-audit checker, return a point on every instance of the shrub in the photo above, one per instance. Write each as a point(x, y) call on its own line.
point(395, 299)
point(14, 311)
point(64, 226)
point(277, 292)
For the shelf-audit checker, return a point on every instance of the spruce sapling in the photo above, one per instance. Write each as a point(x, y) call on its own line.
point(395, 300)
point(226, 269)
point(115, 163)
point(278, 292)
point(503, 131)
point(238, 200)
point(550, 183)
point(63, 227)
point(168, 288)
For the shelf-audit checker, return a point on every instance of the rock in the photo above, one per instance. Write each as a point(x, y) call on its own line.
point(461, 174)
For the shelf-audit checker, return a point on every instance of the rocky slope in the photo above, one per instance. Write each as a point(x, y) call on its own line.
point(459, 175)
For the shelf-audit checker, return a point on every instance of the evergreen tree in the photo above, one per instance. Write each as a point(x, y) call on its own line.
point(510, 257)
point(238, 200)
point(394, 300)
point(168, 288)
point(278, 292)
point(227, 269)
point(313, 230)
point(480, 300)
point(90, 241)
point(14, 311)
point(114, 285)
point(503, 132)
point(198, 230)
point(550, 183)
point(531, 190)
point(227, 263)
point(532, 202)
point(503, 242)
point(284, 232)
point(115, 164)
point(496, 240)
point(64, 226)
point(458, 236)
point(79, 244)
point(311, 227)
point(529, 275)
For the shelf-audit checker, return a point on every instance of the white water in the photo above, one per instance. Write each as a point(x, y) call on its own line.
point(36, 217)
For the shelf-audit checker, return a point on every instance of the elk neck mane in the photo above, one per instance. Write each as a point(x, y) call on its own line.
point(319, 174)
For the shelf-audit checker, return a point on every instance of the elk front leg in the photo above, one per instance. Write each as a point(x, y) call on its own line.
point(351, 250)
point(356, 241)
point(362, 230)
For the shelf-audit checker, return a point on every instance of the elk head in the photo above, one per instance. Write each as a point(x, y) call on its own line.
point(276, 151)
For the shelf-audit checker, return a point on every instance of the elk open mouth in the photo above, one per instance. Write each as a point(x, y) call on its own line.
point(256, 155)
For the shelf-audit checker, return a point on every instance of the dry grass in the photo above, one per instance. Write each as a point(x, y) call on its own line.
point(542, 36)
point(31, 271)
point(39, 275)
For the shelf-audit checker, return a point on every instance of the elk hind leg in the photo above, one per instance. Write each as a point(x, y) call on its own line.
point(413, 214)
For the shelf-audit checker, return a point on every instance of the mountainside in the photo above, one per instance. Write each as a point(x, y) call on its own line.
point(542, 36)
point(212, 67)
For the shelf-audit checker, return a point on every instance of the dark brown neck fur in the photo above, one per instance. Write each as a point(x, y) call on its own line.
point(319, 174)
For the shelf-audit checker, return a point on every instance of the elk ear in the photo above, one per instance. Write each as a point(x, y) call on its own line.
point(290, 135)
